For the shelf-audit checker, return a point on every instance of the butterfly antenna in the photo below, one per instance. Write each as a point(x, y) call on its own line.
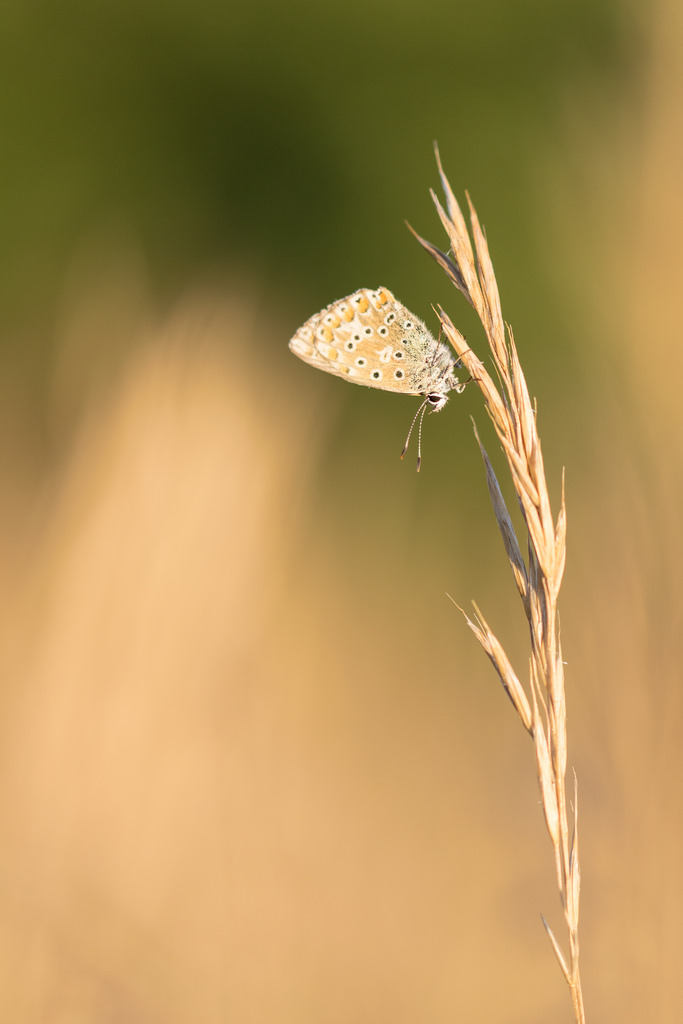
point(405, 446)
point(423, 407)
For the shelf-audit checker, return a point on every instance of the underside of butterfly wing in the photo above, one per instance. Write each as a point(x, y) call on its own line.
point(369, 338)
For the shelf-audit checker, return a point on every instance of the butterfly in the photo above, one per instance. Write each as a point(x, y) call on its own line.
point(370, 338)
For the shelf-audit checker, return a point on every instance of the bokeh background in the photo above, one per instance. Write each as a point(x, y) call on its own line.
point(252, 765)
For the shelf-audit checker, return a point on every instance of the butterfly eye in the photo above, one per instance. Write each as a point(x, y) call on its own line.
point(382, 331)
point(350, 346)
point(399, 374)
point(368, 331)
point(361, 362)
point(437, 401)
point(389, 319)
point(398, 355)
point(376, 375)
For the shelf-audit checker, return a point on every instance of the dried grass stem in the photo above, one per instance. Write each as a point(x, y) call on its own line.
point(542, 710)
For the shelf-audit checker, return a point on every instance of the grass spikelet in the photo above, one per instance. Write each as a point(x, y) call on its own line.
point(542, 710)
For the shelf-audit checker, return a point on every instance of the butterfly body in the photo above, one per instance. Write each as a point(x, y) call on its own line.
point(370, 338)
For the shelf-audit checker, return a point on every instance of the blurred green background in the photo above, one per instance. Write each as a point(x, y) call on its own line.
point(293, 141)
point(253, 767)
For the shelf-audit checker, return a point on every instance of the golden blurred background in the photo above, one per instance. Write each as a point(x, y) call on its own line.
point(253, 767)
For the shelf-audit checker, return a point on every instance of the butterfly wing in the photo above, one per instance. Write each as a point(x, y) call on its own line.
point(369, 338)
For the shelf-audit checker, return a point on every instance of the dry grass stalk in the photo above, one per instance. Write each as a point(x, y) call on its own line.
point(543, 710)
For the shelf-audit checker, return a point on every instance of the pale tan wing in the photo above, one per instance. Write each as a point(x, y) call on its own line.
point(303, 343)
point(369, 338)
point(329, 339)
